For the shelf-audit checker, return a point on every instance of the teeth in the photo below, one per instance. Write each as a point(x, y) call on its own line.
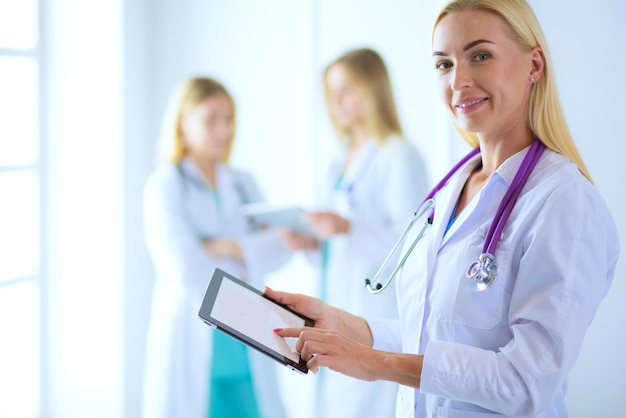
point(472, 103)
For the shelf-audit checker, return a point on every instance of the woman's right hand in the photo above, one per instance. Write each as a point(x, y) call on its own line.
point(343, 342)
point(339, 340)
point(298, 241)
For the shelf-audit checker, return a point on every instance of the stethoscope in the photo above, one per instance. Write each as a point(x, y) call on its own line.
point(483, 271)
point(199, 184)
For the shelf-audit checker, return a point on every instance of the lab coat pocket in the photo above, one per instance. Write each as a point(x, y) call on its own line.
point(465, 305)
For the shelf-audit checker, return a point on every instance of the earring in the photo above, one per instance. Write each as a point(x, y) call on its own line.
point(532, 80)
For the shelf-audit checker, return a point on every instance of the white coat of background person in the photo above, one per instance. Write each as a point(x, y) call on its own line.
point(472, 346)
point(193, 224)
point(371, 186)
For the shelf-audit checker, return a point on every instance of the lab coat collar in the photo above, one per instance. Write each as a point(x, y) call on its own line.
point(509, 167)
point(193, 174)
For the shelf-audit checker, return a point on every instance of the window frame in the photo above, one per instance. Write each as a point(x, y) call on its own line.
point(37, 168)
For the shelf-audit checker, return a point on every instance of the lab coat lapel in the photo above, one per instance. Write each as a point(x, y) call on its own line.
point(360, 164)
point(447, 201)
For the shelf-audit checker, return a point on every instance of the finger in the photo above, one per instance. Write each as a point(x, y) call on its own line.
point(306, 336)
point(311, 349)
point(281, 297)
point(315, 363)
point(288, 332)
point(324, 360)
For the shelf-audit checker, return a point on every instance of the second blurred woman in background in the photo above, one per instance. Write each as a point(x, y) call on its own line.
point(370, 190)
point(193, 224)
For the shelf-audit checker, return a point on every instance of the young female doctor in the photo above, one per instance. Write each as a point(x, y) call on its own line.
point(496, 337)
point(371, 185)
point(193, 225)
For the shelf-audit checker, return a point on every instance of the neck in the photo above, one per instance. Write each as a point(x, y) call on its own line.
point(207, 168)
point(359, 136)
point(495, 152)
point(353, 148)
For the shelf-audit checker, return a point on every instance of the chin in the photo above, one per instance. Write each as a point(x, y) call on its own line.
point(468, 126)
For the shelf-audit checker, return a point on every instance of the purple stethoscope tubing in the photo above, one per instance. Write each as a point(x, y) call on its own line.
point(484, 270)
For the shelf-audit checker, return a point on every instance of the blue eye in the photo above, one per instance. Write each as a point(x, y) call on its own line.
point(481, 57)
point(444, 65)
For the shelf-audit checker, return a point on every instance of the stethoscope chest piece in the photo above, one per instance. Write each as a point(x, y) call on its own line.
point(483, 271)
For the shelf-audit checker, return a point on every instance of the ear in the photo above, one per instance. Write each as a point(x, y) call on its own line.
point(537, 61)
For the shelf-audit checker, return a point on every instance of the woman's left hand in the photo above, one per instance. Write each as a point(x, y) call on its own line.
point(327, 224)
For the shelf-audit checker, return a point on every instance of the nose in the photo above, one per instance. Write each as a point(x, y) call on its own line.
point(460, 77)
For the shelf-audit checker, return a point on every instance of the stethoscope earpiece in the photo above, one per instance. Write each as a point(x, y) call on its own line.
point(374, 289)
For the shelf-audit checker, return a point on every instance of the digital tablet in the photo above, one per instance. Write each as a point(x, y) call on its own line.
point(291, 217)
point(244, 313)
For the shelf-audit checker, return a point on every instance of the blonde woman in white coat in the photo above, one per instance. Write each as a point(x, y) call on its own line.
point(371, 185)
point(502, 345)
point(193, 224)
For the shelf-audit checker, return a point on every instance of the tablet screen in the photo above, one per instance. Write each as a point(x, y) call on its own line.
point(241, 311)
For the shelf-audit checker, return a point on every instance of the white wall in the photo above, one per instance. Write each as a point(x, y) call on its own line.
point(270, 55)
point(83, 236)
point(136, 162)
point(588, 44)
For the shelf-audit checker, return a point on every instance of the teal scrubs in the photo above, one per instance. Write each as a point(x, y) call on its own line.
point(232, 390)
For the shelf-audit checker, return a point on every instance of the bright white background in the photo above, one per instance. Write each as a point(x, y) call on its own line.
point(108, 69)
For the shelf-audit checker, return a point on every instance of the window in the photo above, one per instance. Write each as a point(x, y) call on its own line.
point(19, 210)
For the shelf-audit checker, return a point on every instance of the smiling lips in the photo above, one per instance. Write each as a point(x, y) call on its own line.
point(469, 104)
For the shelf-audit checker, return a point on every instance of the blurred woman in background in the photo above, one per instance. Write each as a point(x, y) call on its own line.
point(194, 224)
point(372, 184)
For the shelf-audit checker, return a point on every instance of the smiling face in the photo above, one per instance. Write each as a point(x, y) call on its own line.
point(208, 128)
point(484, 77)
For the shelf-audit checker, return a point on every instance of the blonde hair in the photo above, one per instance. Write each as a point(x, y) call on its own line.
point(189, 94)
point(545, 115)
point(367, 70)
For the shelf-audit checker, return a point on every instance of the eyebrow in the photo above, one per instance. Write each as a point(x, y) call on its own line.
point(466, 47)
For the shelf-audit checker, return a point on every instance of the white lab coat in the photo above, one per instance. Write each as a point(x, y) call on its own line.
point(506, 351)
point(378, 194)
point(180, 210)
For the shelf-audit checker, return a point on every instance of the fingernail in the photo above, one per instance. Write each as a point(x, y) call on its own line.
point(278, 330)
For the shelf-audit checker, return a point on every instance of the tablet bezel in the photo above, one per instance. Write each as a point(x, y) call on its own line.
point(207, 306)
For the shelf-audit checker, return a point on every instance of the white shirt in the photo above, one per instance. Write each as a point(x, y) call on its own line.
point(507, 350)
